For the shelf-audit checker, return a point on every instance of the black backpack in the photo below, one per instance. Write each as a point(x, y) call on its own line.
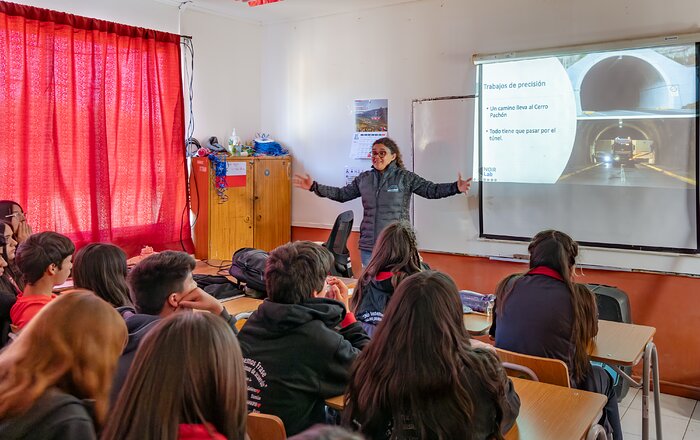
point(248, 267)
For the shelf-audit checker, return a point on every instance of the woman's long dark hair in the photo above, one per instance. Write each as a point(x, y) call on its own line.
point(420, 375)
point(188, 369)
point(101, 267)
point(557, 251)
point(11, 280)
point(391, 145)
point(396, 251)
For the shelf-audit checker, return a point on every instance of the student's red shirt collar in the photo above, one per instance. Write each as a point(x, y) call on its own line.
point(381, 276)
point(544, 270)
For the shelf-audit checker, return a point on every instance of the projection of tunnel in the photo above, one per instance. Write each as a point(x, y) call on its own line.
point(624, 83)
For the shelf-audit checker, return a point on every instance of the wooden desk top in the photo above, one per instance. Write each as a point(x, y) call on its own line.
point(477, 324)
point(619, 343)
point(546, 411)
point(241, 304)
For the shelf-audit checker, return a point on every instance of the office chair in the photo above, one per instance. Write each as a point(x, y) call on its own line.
point(337, 244)
point(613, 305)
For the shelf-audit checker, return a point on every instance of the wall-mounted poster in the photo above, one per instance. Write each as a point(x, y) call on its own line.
point(371, 123)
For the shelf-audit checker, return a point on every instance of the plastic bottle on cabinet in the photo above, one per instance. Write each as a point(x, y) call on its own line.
point(234, 143)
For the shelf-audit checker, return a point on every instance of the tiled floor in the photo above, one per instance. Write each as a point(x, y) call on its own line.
point(680, 417)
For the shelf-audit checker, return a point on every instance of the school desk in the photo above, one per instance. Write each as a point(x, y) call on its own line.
point(620, 344)
point(546, 411)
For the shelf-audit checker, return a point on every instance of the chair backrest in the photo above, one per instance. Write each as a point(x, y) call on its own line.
point(613, 303)
point(547, 370)
point(337, 243)
point(265, 427)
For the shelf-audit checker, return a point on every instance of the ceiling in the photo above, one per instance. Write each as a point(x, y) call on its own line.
point(285, 10)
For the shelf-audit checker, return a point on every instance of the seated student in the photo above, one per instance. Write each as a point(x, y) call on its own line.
point(395, 257)
point(64, 357)
point(544, 313)
point(11, 211)
point(101, 267)
point(421, 377)
point(187, 382)
point(45, 260)
point(9, 288)
point(295, 357)
point(161, 285)
point(12, 273)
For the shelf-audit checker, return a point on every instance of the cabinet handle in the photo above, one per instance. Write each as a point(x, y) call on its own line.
point(247, 219)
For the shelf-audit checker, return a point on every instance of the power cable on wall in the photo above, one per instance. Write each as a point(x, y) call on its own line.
point(188, 81)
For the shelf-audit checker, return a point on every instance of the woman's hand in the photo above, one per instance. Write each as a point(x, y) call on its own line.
point(303, 182)
point(463, 185)
point(23, 231)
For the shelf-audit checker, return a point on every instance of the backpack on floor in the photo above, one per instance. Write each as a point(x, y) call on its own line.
point(248, 267)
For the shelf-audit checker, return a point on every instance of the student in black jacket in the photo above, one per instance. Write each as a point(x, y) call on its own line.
point(422, 377)
point(298, 346)
point(395, 257)
point(161, 285)
point(543, 312)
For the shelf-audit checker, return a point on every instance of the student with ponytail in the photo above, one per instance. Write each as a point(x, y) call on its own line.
point(543, 312)
point(395, 257)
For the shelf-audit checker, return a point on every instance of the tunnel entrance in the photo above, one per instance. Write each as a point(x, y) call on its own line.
point(623, 83)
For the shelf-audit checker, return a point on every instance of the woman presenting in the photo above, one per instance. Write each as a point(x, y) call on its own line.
point(386, 191)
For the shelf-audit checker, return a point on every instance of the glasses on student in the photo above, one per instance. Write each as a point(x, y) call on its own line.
point(380, 153)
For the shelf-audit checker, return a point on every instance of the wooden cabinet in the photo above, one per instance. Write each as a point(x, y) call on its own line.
point(256, 210)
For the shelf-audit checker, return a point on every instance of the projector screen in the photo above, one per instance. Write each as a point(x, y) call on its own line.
point(601, 145)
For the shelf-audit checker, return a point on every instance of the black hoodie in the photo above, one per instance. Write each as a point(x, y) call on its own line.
point(54, 415)
point(295, 358)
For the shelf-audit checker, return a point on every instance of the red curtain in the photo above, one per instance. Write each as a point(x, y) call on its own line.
point(92, 142)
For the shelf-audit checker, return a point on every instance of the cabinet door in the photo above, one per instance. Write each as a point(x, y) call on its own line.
point(231, 220)
point(273, 195)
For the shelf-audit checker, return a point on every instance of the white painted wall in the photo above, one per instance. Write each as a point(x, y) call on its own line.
point(312, 70)
point(141, 13)
point(227, 58)
point(226, 75)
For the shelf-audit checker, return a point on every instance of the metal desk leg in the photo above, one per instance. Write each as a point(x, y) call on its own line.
point(651, 347)
point(650, 366)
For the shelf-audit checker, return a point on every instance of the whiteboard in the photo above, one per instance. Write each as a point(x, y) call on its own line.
point(444, 144)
